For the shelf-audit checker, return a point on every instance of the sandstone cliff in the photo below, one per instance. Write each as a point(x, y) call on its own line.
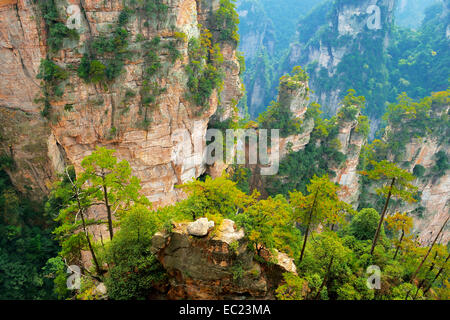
point(161, 144)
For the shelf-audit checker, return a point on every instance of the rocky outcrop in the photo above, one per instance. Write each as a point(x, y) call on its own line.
point(216, 266)
point(350, 144)
point(164, 150)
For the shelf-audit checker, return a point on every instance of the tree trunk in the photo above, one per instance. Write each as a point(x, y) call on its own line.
point(108, 210)
point(437, 276)
point(399, 244)
point(429, 251)
point(91, 249)
point(380, 224)
point(307, 226)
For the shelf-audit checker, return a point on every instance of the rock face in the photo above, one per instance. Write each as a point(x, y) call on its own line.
point(24, 135)
point(212, 268)
point(352, 25)
point(434, 206)
point(351, 142)
point(167, 151)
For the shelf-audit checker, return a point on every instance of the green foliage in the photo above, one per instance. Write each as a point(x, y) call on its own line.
point(419, 170)
point(52, 76)
point(134, 269)
point(279, 117)
point(418, 62)
point(51, 72)
point(56, 30)
point(91, 70)
point(364, 224)
point(317, 158)
point(227, 21)
point(213, 197)
point(399, 180)
point(442, 164)
point(408, 119)
point(270, 224)
point(321, 205)
point(295, 80)
point(242, 175)
point(203, 70)
point(333, 266)
point(351, 106)
point(293, 288)
point(110, 182)
point(25, 245)
point(105, 57)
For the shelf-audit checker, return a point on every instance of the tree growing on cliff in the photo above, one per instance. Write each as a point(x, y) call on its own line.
point(270, 225)
point(109, 183)
point(214, 197)
point(399, 222)
point(398, 186)
point(72, 204)
point(320, 206)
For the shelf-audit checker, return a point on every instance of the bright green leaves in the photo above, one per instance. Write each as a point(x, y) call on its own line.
point(321, 205)
point(279, 117)
point(227, 21)
point(364, 224)
point(351, 106)
point(110, 181)
point(51, 72)
point(297, 79)
point(270, 224)
point(57, 31)
point(204, 69)
point(105, 57)
point(398, 180)
point(293, 288)
point(215, 197)
point(134, 269)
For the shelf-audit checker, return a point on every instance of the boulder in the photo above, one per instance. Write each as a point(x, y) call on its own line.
point(228, 233)
point(200, 227)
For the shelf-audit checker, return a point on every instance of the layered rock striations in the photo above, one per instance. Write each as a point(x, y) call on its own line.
point(163, 144)
point(217, 265)
point(351, 140)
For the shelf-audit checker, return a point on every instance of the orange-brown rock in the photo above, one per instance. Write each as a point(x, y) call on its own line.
point(210, 267)
point(166, 152)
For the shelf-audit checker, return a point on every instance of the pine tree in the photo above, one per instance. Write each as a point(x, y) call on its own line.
point(396, 184)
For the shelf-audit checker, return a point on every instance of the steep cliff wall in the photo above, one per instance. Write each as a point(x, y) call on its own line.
point(25, 135)
point(433, 208)
point(345, 51)
point(351, 141)
point(158, 141)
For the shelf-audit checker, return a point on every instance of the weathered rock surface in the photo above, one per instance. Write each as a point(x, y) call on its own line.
point(228, 233)
point(351, 142)
point(210, 268)
point(200, 227)
point(434, 206)
point(167, 152)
